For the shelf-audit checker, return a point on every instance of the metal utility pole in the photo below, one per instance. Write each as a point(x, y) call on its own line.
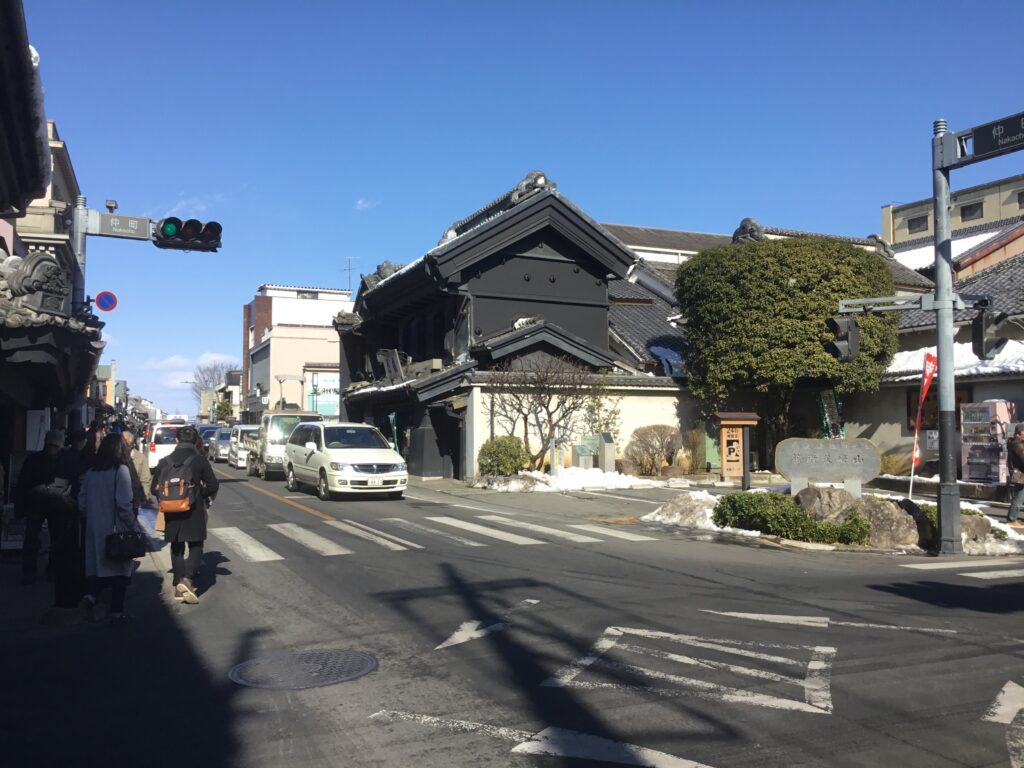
point(949, 491)
point(79, 222)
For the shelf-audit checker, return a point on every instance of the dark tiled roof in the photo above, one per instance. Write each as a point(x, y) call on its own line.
point(1014, 231)
point(641, 320)
point(666, 239)
point(780, 232)
point(1003, 282)
point(905, 277)
point(957, 234)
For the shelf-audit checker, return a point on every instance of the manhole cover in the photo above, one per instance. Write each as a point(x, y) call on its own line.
point(294, 670)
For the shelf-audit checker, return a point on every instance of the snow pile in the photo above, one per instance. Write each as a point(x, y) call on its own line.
point(692, 509)
point(1012, 545)
point(907, 366)
point(567, 479)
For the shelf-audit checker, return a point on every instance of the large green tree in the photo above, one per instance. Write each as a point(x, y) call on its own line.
point(755, 320)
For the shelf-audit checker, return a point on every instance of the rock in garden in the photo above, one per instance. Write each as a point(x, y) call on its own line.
point(891, 526)
point(977, 527)
point(828, 505)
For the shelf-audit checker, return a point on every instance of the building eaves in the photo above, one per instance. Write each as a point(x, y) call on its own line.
point(1002, 281)
point(956, 234)
point(278, 286)
point(665, 239)
point(958, 192)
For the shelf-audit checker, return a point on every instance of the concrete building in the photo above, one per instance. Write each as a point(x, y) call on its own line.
point(230, 391)
point(290, 349)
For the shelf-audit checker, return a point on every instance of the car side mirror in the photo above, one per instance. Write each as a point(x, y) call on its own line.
point(310, 446)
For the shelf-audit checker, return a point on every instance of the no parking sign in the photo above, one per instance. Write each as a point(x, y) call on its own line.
point(106, 301)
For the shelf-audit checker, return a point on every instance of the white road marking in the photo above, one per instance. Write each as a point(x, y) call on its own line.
point(709, 664)
point(386, 543)
point(485, 531)
point(1009, 708)
point(614, 533)
point(1007, 704)
point(624, 498)
point(944, 565)
point(1016, 573)
point(307, 538)
point(420, 528)
point(301, 496)
point(472, 630)
point(816, 685)
point(821, 622)
point(449, 504)
point(578, 537)
point(391, 536)
point(559, 742)
point(245, 546)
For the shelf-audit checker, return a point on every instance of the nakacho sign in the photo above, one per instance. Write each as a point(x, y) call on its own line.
point(1004, 135)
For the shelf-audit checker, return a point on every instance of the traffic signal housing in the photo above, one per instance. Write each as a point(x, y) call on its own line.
point(985, 340)
point(846, 344)
point(188, 235)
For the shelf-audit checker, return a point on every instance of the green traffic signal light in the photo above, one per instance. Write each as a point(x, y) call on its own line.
point(170, 227)
point(190, 235)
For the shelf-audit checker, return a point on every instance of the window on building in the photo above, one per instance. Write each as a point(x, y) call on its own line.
point(1020, 199)
point(917, 224)
point(308, 295)
point(971, 211)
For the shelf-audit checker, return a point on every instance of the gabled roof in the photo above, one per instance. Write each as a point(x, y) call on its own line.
point(516, 340)
point(1003, 281)
point(666, 239)
point(640, 320)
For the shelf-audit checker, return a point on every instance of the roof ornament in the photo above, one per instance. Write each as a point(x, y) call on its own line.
point(749, 231)
point(881, 246)
point(532, 184)
point(386, 269)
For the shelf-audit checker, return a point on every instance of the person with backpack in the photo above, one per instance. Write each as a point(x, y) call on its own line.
point(184, 484)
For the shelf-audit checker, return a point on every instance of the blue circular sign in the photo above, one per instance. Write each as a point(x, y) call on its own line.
point(106, 301)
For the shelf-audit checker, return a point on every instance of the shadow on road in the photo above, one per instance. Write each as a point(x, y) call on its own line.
point(101, 694)
point(522, 658)
point(994, 598)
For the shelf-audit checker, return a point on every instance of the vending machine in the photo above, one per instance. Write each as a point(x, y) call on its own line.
point(984, 429)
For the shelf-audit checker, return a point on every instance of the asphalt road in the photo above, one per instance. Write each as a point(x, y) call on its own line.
point(500, 643)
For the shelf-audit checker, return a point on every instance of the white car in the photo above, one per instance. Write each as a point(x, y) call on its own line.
point(162, 441)
point(220, 441)
point(238, 453)
point(343, 458)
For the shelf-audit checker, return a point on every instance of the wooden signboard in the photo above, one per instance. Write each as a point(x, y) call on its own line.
point(732, 451)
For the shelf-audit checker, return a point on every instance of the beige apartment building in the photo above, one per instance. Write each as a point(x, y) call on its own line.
point(290, 350)
point(981, 206)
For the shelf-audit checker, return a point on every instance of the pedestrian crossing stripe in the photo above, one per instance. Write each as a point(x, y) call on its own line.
point(614, 533)
point(245, 545)
point(483, 530)
point(1013, 574)
point(944, 565)
point(317, 543)
point(420, 528)
point(577, 537)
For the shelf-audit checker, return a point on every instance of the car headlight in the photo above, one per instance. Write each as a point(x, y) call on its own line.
point(401, 467)
point(339, 467)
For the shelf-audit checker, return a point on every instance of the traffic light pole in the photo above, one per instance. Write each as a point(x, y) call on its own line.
point(949, 491)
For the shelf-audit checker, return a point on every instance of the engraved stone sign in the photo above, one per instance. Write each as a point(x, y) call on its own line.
point(851, 462)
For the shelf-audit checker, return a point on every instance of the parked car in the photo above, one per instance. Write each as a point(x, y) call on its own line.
point(206, 433)
point(219, 445)
point(338, 457)
point(162, 440)
point(237, 452)
point(266, 447)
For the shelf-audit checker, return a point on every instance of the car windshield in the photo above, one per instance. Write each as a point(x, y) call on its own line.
point(223, 435)
point(281, 427)
point(354, 437)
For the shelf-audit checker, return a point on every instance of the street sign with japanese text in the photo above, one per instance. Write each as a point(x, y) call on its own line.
point(114, 225)
point(1004, 135)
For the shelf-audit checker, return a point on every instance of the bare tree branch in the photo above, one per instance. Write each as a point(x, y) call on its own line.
point(210, 375)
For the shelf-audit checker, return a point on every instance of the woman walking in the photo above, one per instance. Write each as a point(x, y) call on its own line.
point(105, 501)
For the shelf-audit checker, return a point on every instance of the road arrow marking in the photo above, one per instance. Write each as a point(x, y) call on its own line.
point(558, 742)
point(474, 630)
point(821, 622)
point(1008, 708)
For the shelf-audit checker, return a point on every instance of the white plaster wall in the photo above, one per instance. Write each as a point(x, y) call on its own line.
point(291, 348)
point(292, 311)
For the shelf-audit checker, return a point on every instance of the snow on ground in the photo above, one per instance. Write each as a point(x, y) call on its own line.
point(706, 503)
point(1012, 545)
point(569, 479)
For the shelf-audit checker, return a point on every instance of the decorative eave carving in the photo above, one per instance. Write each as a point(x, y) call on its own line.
point(35, 290)
point(881, 246)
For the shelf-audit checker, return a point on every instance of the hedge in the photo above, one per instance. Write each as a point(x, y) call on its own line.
point(504, 455)
point(777, 514)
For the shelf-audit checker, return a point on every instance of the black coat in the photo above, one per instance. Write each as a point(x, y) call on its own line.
point(191, 525)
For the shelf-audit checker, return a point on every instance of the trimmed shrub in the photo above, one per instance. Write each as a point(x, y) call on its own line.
point(504, 455)
point(651, 446)
point(776, 514)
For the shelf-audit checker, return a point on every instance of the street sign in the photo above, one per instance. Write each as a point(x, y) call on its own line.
point(115, 225)
point(105, 300)
point(1004, 135)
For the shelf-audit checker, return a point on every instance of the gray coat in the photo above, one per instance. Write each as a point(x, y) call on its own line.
point(104, 498)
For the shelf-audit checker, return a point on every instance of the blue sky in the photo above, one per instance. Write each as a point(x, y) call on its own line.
point(317, 131)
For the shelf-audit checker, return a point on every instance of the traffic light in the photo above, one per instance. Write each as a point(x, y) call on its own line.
point(846, 344)
point(984, 339)
point(189, 235)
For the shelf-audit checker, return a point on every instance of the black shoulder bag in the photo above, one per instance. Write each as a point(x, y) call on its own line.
point(123, 545)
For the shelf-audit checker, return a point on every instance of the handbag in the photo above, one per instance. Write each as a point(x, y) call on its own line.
point(123, 546)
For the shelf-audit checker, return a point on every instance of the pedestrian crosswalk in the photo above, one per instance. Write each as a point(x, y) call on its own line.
point(1008, 567)
point(331, 538)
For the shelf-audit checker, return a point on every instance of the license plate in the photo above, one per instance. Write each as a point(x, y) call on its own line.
point(375, 481)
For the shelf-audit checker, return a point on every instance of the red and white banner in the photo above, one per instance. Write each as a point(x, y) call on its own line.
point(931, 364)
